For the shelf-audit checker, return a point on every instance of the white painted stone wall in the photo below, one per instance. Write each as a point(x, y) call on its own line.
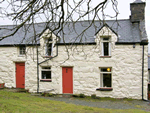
point(126, 63)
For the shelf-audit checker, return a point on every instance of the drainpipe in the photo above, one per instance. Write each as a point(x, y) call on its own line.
point(37, 69)
point(143, 73)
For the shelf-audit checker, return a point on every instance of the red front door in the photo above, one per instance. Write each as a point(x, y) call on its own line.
point(20, 75)
point(67, 80)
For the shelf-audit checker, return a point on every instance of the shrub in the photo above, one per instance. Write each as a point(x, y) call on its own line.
point(46, 95)
point(75, 95)
point(43, 94)
point(81, 95)
point(50, 94)
point(93, 96)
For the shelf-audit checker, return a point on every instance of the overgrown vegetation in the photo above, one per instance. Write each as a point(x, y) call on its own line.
point(23, 103)
point(81, 95)
point(93, 96)
point(47, 94)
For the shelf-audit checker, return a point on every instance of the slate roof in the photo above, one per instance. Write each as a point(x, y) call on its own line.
point(126, 31)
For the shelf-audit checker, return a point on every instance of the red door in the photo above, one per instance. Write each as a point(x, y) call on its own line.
point(67, 80)
point(20, 75)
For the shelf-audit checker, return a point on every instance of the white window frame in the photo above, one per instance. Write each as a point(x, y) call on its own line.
point(46, 70)
point(102, 45)
point(101, 77)
point(46, 47)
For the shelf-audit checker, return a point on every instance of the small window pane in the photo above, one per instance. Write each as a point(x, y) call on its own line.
point(105, 38)
point(106, 49)
point(105, 69)
point(49, 49)
point(22, 50)
point(106, 80)
point(46, 74)
point(46, 68)
point(49, 39)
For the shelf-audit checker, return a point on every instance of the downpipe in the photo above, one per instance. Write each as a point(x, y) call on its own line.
point(142, 73)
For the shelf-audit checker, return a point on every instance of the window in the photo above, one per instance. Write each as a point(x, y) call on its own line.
point(46, 74)
point(22, 50)
point(105, 77)
point(48, 48)
point(149, 75)
point(106, 46)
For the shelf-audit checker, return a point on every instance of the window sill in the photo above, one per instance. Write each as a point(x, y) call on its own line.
point(105, 56)
point(104, 89)
point(45, 80)
point(47, 56)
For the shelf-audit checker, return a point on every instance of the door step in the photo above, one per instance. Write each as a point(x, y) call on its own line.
point(66, 95)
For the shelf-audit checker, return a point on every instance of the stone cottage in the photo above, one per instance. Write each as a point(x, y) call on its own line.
point(109, 60)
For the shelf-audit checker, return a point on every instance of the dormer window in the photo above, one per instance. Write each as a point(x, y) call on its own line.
point(106, 46)
point(48, 47)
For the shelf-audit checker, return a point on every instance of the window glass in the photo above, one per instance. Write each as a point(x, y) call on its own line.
point(106, 49)
point(106, 80)
point(106, 69)
point(105, 38)
point(106, 46)
point(22, 50)
point(106, 77)
point(48, 47)
point(46, 73)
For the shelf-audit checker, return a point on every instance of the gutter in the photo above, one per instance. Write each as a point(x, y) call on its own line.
point(41, 63)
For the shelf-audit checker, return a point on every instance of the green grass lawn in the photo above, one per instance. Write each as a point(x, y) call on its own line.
point(21, 102)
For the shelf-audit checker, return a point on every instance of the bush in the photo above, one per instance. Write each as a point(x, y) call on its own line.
point(43, 94)
point(75, 95)
point(93, 96)
point(50, 94)
point(81, 95)
point(46, 95)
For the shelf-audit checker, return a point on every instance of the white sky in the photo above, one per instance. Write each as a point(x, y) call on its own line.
point(124, 13)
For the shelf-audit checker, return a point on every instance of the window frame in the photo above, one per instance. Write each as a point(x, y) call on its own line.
point(43, 69)
point(102, 88)
point(22, 50)
point(109, 46)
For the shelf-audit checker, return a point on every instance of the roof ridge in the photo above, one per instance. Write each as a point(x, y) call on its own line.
point(68, 22)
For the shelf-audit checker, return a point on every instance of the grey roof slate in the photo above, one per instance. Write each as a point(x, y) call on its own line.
point(138, 1)
point(127, 32)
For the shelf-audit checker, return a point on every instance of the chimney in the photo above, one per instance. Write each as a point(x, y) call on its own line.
point(137, 11)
